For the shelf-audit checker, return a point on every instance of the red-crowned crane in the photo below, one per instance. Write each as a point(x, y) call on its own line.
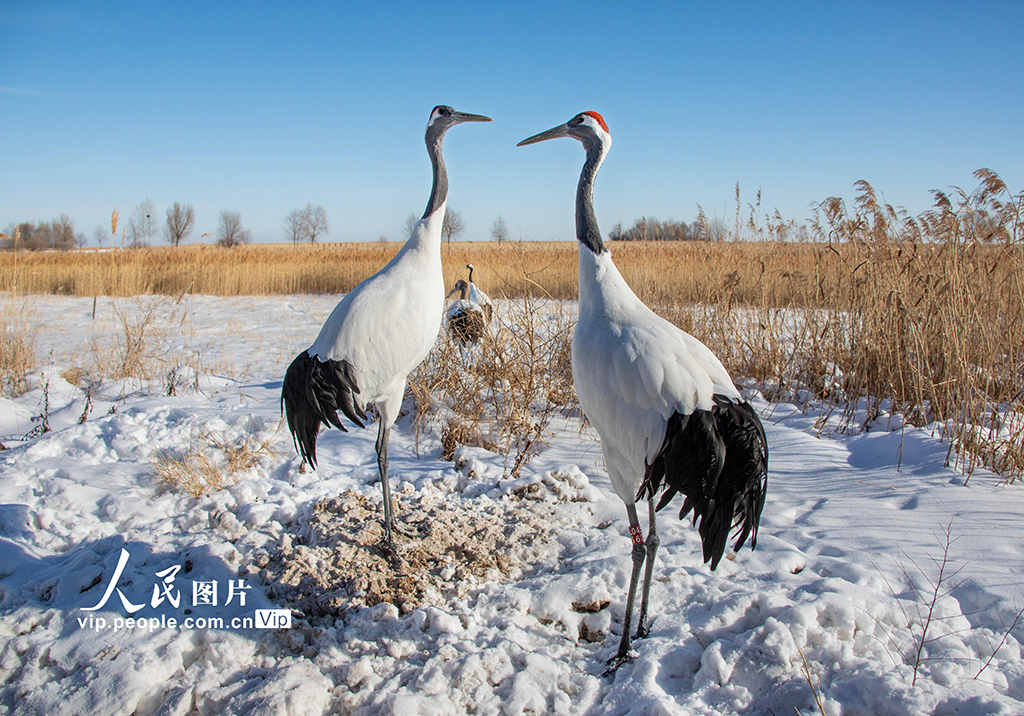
point(479, 297)
point(378, 333)
point(466, 319)
point(668, 415)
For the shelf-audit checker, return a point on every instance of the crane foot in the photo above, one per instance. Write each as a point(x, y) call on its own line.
point(387, 548)
point(616, 661)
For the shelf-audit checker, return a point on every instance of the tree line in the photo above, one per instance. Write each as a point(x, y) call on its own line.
point(300, 225)
point(644, 229)
point(58, 234)
point(143, 227)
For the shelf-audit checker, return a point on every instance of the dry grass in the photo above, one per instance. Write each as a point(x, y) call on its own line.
point(211, 462)
point(673, 271)
point(134, 353)
point(193, 471)
point(16, 356)
point(503, 393)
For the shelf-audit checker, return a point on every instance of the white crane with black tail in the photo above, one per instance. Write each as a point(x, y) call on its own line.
point(668, 415)
point(378, 333)
point(479, 297)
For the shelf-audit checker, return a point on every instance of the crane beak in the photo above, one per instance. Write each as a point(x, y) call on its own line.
point(467, 117)
point(561, 130)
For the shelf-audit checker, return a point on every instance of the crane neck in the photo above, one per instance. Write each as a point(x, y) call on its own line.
point(471, 274)
point(587, 231)
point(439, 192)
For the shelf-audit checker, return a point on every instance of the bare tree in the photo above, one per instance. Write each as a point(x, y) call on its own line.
point(180, 220)
point(410, 224)
point(38, 237)
point(231, 233)
point(308, 223)
point(99, 234)
point(452, 225)
point(63, 233)
point(500, 232)
point(9, 237)
point(316, 222)
point(295, 226)
point(142, 224)
point(24, 236)
point(715, 229)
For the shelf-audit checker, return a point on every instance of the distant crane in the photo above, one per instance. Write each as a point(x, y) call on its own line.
point(668, 415)
point(466, 319)
point(378, 333)
point(479, 297)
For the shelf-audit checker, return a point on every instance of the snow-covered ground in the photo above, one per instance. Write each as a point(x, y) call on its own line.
point(823, 603)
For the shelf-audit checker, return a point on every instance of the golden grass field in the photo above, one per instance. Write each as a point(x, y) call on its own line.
point(770, 273)
point(676, 271)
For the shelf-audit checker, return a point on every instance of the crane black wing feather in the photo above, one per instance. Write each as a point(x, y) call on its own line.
point(312, 393)
point(718, 460)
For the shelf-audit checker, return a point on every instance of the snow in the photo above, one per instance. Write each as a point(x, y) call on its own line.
point(840, 577)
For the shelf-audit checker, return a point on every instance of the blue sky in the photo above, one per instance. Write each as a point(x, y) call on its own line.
point(261, 108)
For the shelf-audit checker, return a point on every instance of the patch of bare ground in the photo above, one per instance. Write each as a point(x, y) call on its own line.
point(447, 546)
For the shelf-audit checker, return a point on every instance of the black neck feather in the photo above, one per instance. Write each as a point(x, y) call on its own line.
point(587, 231)
point(439, 192)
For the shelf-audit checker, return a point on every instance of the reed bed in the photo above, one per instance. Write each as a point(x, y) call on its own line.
point(676, 270)
point(919, 317)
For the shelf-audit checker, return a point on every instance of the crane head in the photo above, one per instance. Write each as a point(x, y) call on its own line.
point(588, 127)
point(461, 287)
point(442, 117)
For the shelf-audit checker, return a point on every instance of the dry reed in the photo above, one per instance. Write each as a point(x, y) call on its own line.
point(17, 357)
point(672, 270)
point(211, 462)
point(503, 393)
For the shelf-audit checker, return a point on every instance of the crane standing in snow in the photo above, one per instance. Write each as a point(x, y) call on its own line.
point(668, 415)
point(479, 297)
point(466, 319)
point(378, 333)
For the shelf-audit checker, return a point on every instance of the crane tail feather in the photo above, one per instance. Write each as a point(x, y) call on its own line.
point(312, 393)
point(718, 459)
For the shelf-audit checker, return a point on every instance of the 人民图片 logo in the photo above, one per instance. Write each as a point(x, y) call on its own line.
point(205, 593)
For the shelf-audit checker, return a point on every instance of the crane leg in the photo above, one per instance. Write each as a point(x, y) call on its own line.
point(382, 463)
point(651, 546)
point(638, 553)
